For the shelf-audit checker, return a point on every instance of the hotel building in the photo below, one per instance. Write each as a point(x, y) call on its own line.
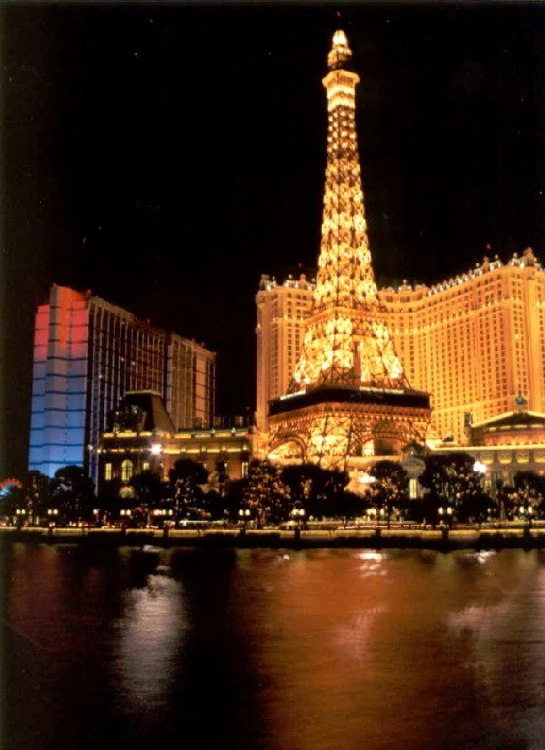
point(142, 437)
point(281, 311)
point(475, 341)
point(87, 354)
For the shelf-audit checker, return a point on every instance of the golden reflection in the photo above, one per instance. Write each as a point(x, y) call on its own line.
point(342, 625)
point(151, 631)
point(352, 637)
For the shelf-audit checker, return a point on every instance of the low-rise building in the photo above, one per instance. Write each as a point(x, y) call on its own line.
point(142, 437)
point(504, 445)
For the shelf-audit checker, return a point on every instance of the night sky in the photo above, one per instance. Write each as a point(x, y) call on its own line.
point(165, 156)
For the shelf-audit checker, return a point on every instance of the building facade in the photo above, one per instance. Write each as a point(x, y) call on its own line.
point(87, 354)
point(142, 437)
point(281, 311)
point(475, 341)
point(504, 445)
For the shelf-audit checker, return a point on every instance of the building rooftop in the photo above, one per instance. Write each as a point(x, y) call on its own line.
point(143, 411)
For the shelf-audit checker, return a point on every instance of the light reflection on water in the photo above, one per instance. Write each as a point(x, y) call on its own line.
point(150, 633)
point(265, 649)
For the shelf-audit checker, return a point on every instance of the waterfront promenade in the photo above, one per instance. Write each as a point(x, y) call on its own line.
point(365, 538)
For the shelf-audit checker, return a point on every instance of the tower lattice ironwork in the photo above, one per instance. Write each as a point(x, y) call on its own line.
point(349, 394)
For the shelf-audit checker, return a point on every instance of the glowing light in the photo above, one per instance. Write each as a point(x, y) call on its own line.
point(346, 341)
point(367, 479)
point(156, 449)
point(343, 335)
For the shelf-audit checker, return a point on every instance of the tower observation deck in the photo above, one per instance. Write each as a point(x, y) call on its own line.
point(348, 395)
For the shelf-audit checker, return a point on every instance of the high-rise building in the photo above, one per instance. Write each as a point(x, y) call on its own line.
point(87, 354)
point(475, 341)
point(349, 395)
point(281, 311)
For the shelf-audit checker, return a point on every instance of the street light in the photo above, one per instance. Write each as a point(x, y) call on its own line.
point(367, 480)
point(446, 511)
point(298, 515)
point(526, 513)
point(244, 516)
point(126, 512)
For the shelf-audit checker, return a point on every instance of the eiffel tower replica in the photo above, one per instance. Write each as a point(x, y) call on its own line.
point(348, 396)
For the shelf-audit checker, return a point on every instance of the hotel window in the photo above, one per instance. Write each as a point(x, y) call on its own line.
point(126, 470)
point(107, 472)
point(244, 469)
point(413, 488)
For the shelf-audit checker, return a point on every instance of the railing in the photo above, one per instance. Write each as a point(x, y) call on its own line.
point(364, 536)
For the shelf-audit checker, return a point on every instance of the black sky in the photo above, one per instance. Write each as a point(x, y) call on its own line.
point(165, 156)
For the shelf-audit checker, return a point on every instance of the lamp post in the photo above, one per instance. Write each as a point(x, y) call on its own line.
point(298, 515)
point(244, 517)
point(526, 512)
point(52, 515)
point(447, 512)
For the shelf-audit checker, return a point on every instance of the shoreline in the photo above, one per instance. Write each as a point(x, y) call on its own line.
point(438, 539)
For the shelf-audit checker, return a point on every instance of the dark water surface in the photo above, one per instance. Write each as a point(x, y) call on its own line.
point(314, 650)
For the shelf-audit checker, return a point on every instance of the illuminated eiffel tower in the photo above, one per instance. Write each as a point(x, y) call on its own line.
point(349, 395)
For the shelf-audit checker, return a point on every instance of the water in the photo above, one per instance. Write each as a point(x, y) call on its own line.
point(310, 650)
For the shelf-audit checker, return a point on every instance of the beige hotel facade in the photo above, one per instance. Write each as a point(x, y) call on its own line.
point(475, 341)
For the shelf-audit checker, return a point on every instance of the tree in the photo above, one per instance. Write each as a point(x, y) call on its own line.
point(73, 494)
point(234, 497)
point(12, 497)
point(529, 495)
point(186, 480)
point(390, 488)
point(313, 488)
point(109, 499)
point(476, 506)
point(451, 481)
point(150, 492)
point(265, 495)
point(348, 506)
point(506, 497)
point(330, 494)
point(149, 487)
point(214, 505)
point(38, 492)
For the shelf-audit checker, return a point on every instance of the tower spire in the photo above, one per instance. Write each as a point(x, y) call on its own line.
point(346, 342)
point(348, 396)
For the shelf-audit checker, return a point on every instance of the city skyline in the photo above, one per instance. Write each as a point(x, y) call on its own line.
point(166, 157)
